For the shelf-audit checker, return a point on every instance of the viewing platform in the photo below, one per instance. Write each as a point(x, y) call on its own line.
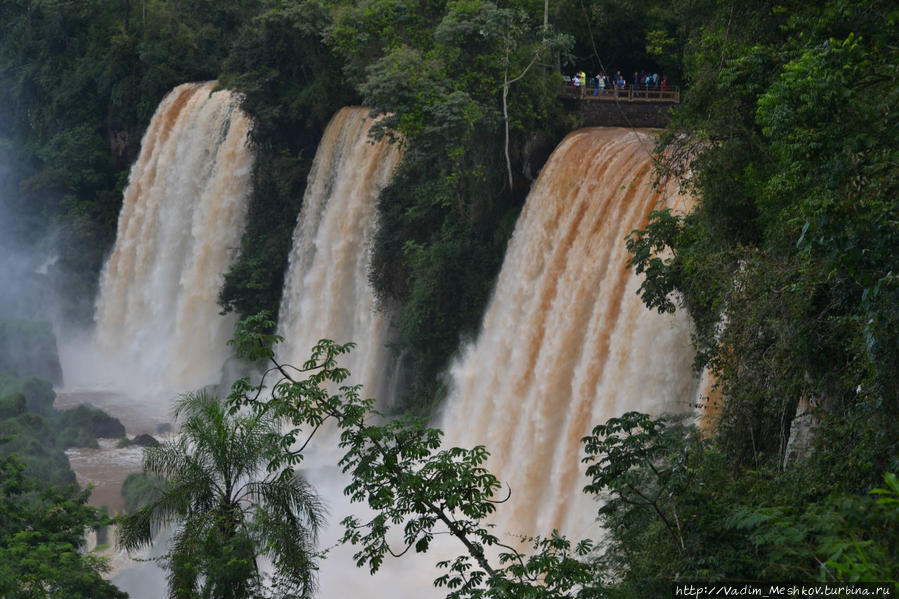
point(629, 93)
point(631, 106)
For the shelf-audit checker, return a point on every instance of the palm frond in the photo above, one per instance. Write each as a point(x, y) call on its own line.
point(227, 505)
point(291, 502)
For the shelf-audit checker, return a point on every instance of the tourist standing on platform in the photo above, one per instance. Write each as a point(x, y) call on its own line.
point(600, 83)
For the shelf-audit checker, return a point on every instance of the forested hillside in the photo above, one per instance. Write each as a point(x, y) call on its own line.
point(785, 135)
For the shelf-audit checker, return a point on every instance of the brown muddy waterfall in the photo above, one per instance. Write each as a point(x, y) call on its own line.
point(158, 329)
point(183, 214)
point(566, 343)
point(326, 290)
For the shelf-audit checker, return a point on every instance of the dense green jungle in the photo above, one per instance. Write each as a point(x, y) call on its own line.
point(786, 135)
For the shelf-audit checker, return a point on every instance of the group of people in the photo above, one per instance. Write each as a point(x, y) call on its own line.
point(641, 80)
point(650, 80)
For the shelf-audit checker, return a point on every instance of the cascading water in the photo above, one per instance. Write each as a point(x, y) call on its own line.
point(566, 343)
point(327, 292)
point(158, 328)
point(158, 324)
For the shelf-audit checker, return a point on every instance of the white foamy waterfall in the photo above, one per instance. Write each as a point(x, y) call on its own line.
point(327, 294)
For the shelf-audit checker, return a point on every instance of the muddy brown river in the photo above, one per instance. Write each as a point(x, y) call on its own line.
point(106, 468)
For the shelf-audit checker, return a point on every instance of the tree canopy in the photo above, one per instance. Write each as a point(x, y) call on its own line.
point(42, 539)
point(786, 264)
point(228, 509)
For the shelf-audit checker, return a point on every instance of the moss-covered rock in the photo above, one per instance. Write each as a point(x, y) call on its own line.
point(84, 421)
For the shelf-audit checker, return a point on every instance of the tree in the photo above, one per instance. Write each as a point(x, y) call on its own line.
point(42, 532)
point(786, 265)
point(851, 538)
point(673, 506)
point(229, 509)
point(402, 472)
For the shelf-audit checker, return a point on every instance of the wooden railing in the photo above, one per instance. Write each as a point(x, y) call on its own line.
point(629, 93)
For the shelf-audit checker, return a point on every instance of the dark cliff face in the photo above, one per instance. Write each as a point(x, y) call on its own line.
point(29, 349)
point(610, 113)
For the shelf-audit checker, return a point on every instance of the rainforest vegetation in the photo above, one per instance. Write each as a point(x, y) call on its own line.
point(44, 516)
point(785, 135)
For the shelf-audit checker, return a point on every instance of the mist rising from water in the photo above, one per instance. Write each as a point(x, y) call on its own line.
point(26, 292)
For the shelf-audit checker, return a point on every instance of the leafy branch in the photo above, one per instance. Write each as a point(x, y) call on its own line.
point(401, 471)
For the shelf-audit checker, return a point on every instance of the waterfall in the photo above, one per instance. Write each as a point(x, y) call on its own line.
point(183, 214)
point(566, 343)
point(327, 292)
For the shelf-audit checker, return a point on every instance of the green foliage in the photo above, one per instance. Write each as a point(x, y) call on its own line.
point(27, 422)
point(38, 393)
point(39, 434)
point(675, 508)
point(34, 441)
point(80, 82)
point(663, 503)
point(787, 261)
point(853, 451)
point(783, 265)
point(82, 425)
point(624, 449)
point(229, 509)
point(291, 86)
point(12, 405)
point(364, 33)
point(42, 530)
point(637, 35)
point(645, 246)
point(844, 538)
point(450, 281)
point(254, 338)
